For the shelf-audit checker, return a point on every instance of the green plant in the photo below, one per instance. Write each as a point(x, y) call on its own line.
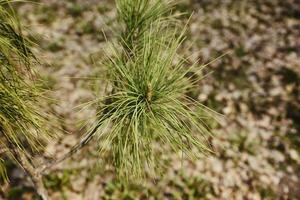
point(147, 107)
point(148, 104)
point(21, 115)
point(3, 174)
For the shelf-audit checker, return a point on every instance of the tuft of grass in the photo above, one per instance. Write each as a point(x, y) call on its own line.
point(148, 110)
point(22, 118)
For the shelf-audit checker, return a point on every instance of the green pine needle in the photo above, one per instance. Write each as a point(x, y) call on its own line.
point(148, 104)
point(22, 118)
point(3, 174)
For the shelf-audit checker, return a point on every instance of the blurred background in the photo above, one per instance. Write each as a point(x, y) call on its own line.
point(256, 85)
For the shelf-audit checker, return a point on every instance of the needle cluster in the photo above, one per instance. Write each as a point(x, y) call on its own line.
point(21, 117)
point(148, 105)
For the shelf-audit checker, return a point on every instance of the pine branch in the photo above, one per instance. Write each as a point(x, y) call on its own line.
point(29, 169)
point(34, 174)
point(84, 141)
point(148, 103)
point(21, 116)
